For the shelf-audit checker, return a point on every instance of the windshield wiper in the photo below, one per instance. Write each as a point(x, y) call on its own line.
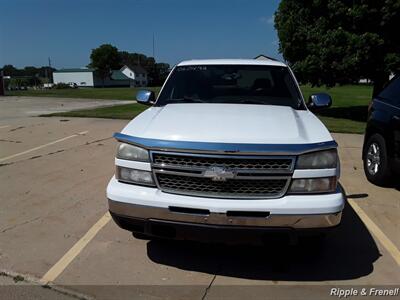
point(247, 101)
point(186, 99)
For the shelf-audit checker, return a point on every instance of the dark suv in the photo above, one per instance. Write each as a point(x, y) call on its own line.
point(381, 150)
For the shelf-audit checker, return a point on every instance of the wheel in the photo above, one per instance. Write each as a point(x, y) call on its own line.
point(376, 160)
point(141, 236)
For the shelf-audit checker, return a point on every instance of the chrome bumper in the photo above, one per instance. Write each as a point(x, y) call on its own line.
point(165, 214)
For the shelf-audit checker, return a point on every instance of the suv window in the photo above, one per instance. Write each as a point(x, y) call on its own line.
point(247, 84)
point(392, 91)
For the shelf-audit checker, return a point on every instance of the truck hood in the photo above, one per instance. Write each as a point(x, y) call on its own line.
point(229, 123)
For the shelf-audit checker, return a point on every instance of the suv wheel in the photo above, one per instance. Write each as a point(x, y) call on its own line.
point(376, 161)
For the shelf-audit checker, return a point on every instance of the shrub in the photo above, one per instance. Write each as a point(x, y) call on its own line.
point(61, 85)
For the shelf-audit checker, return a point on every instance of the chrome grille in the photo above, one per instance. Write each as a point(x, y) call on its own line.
point(222, 176)
point(231, 188)
point(253, 163)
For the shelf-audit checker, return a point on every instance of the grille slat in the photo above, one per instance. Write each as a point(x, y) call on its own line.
point(231, 188)
point(253, 176)
point(275, 164)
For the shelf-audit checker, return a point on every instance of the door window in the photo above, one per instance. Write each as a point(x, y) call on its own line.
point(392, 92)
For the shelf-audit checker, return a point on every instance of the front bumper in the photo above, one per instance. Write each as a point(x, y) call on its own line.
point(148, 205)
point(230, 218)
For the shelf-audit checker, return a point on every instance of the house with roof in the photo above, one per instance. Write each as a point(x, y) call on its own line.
point(137, 73)
point(264, 57)
point(127, 76)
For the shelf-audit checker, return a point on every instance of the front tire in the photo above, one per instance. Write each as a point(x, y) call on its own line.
point(376, 161)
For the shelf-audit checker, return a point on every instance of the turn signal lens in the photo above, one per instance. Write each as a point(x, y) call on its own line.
point(313, 185)
point(134, 176)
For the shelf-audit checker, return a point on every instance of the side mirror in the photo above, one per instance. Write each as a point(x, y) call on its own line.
point(145, 97)
point(320, 100)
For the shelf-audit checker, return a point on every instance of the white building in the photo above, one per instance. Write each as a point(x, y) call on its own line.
point(127, 76)
point(82, 77)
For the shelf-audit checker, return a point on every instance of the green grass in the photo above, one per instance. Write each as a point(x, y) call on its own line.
point(87, 93)
point(343, 96)
point(343, 125)
point(126, 111)
point(348, 113)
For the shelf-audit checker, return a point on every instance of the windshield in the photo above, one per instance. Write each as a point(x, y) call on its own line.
point(246, 84)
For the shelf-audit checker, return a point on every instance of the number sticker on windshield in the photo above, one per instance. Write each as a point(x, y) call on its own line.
point(191, 68)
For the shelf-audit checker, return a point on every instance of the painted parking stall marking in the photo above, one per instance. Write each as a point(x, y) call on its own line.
point(68, 257)
point(376, 231)
point(43, 146)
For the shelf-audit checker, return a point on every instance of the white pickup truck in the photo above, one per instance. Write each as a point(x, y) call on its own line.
point(228, 147)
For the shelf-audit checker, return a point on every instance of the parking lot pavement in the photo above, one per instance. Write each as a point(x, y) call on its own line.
point(10, 289)
point(53, 195)
point(22, 107)
point(382, 205)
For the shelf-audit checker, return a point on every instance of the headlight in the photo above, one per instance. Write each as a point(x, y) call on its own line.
point(130, 152)
point(326, 159)
point(313, 185)
point(134, 176)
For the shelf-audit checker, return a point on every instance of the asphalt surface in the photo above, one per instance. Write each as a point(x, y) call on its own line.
point(53, 175)
point(20, 107)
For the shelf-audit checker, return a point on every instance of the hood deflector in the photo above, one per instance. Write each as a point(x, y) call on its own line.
point(224, 148)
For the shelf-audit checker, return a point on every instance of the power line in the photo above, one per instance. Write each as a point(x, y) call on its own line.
point(154, 48)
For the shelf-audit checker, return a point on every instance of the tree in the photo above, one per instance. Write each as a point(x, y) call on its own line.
point(104, 59)
point(31, 71)
point(340, 41)
point(132, 59)
point(157, 71)
point(10, 70)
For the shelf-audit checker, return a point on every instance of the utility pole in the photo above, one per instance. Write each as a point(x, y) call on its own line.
point(49, 70)
point(1, 83)
point(153, 48)
point(155, 64)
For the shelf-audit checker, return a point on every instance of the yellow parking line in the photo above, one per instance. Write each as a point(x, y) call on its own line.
point(42, 146)
point(63, 263)
point(377, 232)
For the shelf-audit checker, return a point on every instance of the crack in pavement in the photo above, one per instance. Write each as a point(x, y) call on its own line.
point(17, 128)
point(100, 140)
point(11, 141)
point(58, 151)
point(209, 287)
point(34, 281)
point(20, 224)
point(55, 152)
point(34, 157)
point(5, 164)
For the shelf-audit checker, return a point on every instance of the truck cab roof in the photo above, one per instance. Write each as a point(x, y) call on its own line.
point(255, 62)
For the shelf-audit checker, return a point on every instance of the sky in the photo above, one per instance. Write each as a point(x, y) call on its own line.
point(67, 30)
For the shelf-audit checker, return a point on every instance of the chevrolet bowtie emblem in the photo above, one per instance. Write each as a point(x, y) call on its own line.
point(217, 173)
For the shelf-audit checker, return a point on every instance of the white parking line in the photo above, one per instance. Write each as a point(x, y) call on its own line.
point(42, 146)
point(4, 126)
point(68, 257)
point(377, 232)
